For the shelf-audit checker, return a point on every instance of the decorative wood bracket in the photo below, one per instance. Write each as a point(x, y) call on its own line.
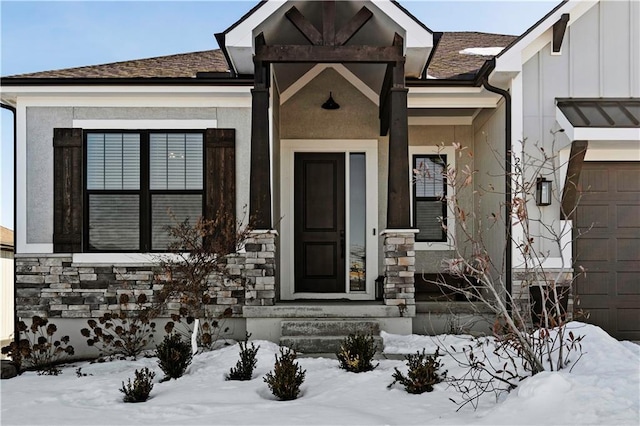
point(570, 190)
point(559, 28)
point(329, 36)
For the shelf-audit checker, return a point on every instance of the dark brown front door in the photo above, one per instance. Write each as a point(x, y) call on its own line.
point(319, 222)
point(608, 247)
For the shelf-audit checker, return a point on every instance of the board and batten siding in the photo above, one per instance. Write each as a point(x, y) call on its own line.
point(600, 57)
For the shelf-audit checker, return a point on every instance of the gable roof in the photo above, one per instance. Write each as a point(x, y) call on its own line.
point(447, 63)
point(269, 18)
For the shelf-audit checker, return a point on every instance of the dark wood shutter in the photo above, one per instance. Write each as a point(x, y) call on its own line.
point(67, 190)
point(220, 186)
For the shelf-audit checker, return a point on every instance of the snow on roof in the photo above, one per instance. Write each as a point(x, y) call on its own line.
point(481, 51)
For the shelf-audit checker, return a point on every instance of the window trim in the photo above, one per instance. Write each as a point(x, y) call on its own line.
point(144, 192)
point(449, 152)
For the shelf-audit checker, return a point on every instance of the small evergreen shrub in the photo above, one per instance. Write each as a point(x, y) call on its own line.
point(287, 376)
point(38, 350)
point(423, 373)
point(244, 367)
point(174, 356)
point(356, 353)
point(141, 388)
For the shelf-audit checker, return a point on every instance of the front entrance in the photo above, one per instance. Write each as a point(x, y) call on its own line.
point(329, 214)
point(319, 222)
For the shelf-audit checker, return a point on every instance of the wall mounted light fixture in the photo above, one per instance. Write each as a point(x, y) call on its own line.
point(543, 192)
point(330, 103)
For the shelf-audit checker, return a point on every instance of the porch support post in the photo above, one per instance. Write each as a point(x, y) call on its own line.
point(398, 214)
point(260, 173)
point(399, 238)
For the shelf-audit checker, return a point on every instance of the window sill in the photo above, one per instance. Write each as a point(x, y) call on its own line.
point(119, 258)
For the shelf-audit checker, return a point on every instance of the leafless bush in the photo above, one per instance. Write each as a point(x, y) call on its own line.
point(545, 344)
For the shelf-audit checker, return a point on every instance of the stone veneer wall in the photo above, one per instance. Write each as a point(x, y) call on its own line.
point(54, 287)
point(259, 265)
point(522, 280)
point(399, 267)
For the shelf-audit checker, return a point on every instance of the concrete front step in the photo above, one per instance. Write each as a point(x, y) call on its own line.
point(312, 328)
point(320, 344)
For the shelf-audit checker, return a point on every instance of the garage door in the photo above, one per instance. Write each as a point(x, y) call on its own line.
point(610, 249)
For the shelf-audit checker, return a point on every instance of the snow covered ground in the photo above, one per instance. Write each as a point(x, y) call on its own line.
point(603, 388)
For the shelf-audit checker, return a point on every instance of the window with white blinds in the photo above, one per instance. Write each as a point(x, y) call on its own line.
point(429, 192)
point(138, 184)
point(113, 161)
point(175, 161)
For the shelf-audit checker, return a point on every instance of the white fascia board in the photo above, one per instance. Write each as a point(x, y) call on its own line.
point(142, 96)
point(513, 58)
point(416, 34)
point(451, 97)
point(596, 133)
point(603, 133)
point(127, 89)
point(146, 124)
point(441, 121)
point(242, 34)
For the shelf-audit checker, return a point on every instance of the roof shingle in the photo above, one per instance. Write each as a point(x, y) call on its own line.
point(447, 62)
point(183, 65)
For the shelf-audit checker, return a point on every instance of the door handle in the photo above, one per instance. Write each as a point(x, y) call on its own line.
point(342, 243)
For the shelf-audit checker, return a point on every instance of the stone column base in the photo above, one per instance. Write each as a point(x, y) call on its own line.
point(260, 268)
point(399, 266)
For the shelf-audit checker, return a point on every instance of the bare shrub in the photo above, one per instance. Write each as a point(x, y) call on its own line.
point(543, 344)
point(37, 348)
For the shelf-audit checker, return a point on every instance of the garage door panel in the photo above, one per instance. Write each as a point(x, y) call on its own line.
point(593, 284)
point(628, 283)
point(591, 216)
point(627, 216)
point(628, 319)
point(594, 180)
point(610, 251)
point(596, 316)
point(628, 181)
point(628, 249)
point(592, 249)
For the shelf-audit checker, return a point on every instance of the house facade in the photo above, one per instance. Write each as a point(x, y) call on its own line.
point(308, 124)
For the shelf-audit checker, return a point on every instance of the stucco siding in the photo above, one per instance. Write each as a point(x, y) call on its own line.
point(39, 151)
point(430, 261)
point(489, 183)
point(39, 215)
point(239, 119)
point(303, 118)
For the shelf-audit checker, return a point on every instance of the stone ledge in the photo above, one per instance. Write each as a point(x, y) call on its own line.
point(337, 311)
